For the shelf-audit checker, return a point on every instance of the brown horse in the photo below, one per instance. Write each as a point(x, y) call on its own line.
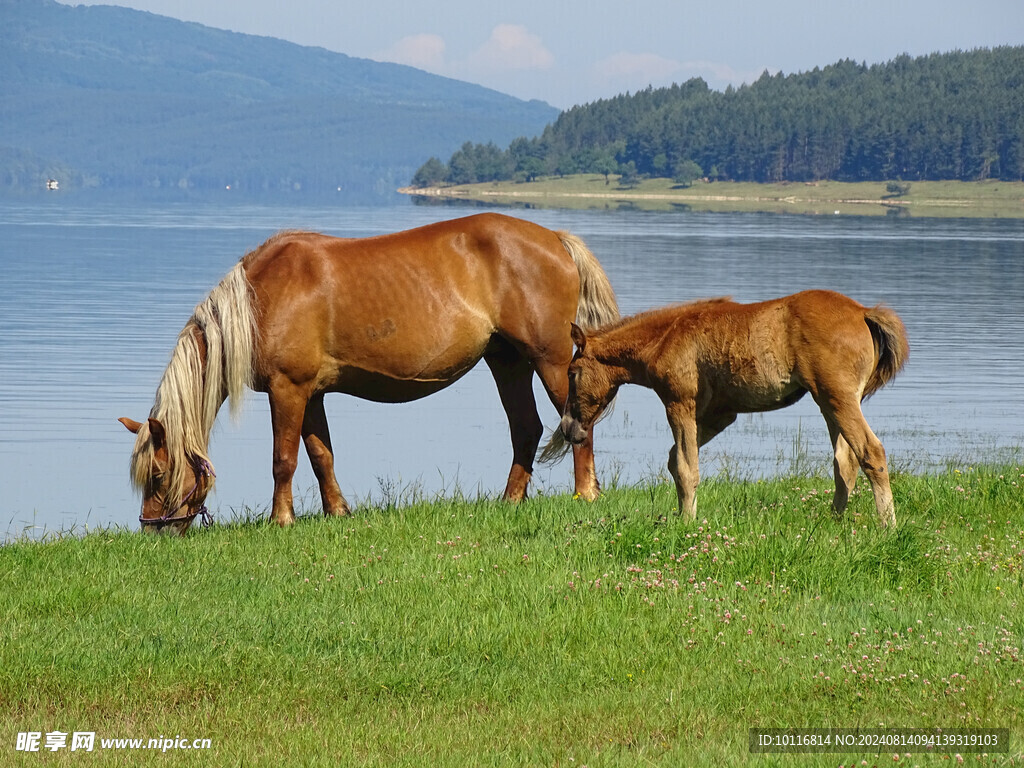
point(712, 360)
point(391, 319)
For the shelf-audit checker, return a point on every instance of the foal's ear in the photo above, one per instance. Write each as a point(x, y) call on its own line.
point(131, 425)
point(579, 338)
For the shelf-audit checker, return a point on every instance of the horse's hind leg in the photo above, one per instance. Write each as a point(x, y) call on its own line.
point(845, 417)
point(317, 438)
point(514, 377)
point(845, 467)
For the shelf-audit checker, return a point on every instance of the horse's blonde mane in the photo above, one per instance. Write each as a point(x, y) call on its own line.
point(191, 393)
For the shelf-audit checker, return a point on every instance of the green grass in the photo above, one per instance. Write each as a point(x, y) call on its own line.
point(471, 632)
point(982, 199)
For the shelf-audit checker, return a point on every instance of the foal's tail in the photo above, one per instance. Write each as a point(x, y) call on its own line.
point(891, 347)
point(597, 303)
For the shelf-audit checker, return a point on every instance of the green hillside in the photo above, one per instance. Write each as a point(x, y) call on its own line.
point(114, 100)
point(947, 116)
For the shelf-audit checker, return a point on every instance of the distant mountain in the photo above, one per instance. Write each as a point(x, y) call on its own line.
point(115, 100)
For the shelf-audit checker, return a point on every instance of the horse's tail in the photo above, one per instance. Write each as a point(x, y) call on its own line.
point(891, 347)
point(213, 359)
point(597, 306)
point(597, 303)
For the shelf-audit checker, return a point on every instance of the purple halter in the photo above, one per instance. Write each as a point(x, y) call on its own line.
point(203, 468)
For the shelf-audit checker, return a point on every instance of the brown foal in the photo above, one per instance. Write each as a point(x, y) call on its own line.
point(711, 360)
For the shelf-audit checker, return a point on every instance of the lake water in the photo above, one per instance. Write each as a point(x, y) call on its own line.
point(92, 299)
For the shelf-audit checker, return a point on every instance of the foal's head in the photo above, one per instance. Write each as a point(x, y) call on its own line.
point(173, 491)
point(591, 389)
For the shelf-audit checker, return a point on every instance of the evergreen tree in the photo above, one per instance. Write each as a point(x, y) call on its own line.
point(958, 115)
point(430, 174)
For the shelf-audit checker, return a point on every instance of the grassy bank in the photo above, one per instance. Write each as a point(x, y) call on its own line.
point(459, 632)
point(985, 199)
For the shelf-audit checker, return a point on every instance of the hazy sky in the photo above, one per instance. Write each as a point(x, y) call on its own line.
point(570, 52)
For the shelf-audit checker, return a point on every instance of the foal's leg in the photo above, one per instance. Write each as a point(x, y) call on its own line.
point(555, 379)
point(317, 437)
point(287, 409)
point(682, 458)
point(709, 428)
point(845, 416)
point(514, 378)
point(845, 467)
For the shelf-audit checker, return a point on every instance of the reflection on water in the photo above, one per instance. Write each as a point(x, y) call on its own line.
point(93, 298)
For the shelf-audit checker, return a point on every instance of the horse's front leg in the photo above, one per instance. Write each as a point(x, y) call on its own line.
point(555, 379)
point(682, 458)
point(584, 474)
point(287, 409)
point(317, 437)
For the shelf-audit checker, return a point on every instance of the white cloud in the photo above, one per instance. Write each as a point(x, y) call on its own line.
point(423, 51)
point(512, 47)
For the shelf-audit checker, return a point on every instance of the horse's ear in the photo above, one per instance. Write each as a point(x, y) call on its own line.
point(579, 338)
point(131, 425)
point(157, 434)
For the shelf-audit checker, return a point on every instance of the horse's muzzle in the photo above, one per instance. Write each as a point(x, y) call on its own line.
point(572, 430)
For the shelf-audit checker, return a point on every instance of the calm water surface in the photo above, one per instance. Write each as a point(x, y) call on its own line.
point(92, 299)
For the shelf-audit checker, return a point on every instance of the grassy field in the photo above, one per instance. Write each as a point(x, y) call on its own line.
point(455, 632)
point(986, 199)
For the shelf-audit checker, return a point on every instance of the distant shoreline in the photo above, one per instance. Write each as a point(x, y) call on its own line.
point(950, 199)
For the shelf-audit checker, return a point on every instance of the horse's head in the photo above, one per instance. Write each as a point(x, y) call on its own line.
point(173, 489)
point(591, 389)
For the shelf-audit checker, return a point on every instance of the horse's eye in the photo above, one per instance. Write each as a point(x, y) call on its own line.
point(157, 479)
